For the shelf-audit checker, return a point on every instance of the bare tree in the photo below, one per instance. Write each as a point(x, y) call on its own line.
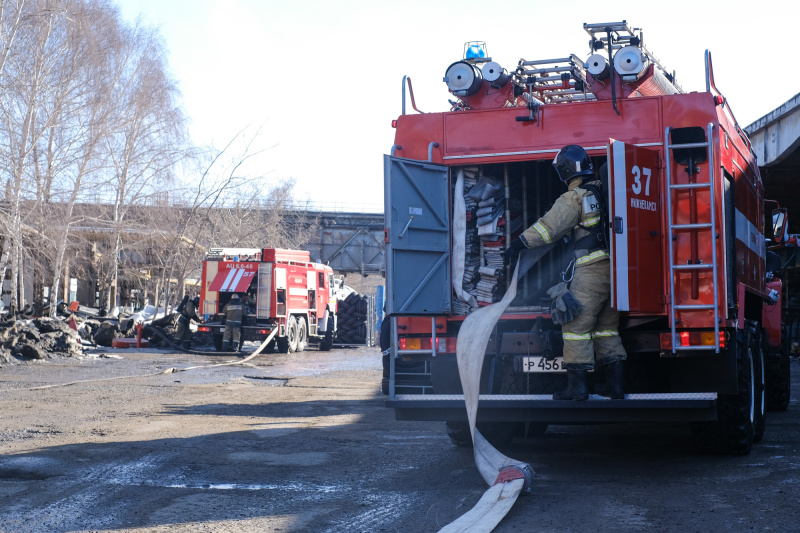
point(28, 60)
point(147, 140)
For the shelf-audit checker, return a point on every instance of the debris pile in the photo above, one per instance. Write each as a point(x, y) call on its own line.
point(40, 338)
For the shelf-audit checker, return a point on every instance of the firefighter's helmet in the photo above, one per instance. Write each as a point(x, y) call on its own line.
point(572, 161)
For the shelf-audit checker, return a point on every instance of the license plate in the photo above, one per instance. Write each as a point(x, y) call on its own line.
point(542, 364)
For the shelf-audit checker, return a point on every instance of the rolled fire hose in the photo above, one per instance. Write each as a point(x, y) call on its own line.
point(506, 477)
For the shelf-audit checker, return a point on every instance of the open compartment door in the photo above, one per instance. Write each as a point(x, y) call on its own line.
point(417, 237)
point(636, 246)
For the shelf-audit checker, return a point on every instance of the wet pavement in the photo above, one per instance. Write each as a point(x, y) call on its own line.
point(302, 442)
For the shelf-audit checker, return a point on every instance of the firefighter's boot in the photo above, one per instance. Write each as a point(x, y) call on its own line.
point(612, 388)
point(226, 345)
point(576, 386)
point(235, 346)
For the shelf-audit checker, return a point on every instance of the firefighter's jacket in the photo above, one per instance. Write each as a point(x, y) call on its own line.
point(234, 311)
point(578, 210)
point(188, 313)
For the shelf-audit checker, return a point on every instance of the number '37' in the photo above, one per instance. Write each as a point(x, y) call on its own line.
point(637, 180)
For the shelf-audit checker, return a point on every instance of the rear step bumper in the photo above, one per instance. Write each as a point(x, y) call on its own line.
point(672, 407)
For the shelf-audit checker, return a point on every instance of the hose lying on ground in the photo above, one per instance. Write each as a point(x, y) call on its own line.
point(166, 338)
point(506, 477)
point(171, 370)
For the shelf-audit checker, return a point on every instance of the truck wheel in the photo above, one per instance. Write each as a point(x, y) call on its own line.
point(732, 432)
point(302, 335)
point(499, 434)
point(291, 333)
point(327, 341)
point(757, 343)
point(779, 377)
point(459, 434)
point(283, 344)
point(218, 342)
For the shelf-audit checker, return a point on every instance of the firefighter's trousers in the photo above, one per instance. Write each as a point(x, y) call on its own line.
point(592, 339)
point(234, 330)
point(184, 332)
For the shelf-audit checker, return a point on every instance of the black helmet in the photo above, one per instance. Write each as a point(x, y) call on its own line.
point(196, 301)
point(571, 162)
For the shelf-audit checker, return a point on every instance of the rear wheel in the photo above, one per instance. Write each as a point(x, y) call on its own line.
point(283, 344)
point(757, 351)
point(779, 377)
point(732, 432)
point(499, 434)
point(459, 434)
point(291, 333)
point(301, 334)
point(327, 341)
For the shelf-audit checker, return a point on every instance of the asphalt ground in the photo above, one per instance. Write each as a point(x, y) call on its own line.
point(303, 442)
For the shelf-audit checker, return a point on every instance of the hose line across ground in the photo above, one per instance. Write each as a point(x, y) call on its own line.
point(171, 370)
point(506, 477)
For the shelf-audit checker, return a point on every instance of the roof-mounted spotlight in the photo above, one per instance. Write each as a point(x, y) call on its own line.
point(598, 66)
point(463, 79)
point(630, 62)
point(496, 75)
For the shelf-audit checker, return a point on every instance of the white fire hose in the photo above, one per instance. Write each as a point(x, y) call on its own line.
point(506, 477)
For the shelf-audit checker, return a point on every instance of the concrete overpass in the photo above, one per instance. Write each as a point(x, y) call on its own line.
point(776, 142)
point(349, 242)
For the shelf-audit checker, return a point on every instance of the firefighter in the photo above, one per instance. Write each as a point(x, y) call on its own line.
point(234, 311)
point(187, 310)
point(591, 337)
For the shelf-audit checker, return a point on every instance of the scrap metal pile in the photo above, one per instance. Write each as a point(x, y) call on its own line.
point(26, 337)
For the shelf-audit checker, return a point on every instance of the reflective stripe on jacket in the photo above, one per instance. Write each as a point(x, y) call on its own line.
point(234, 311)
point(578, 210)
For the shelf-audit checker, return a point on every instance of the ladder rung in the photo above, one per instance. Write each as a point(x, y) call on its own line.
point(693, 307)
point(701, 225)
point(705, 185)
point(692, 267)
point(688, 145)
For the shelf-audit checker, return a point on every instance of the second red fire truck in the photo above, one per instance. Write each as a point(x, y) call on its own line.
point(284, 290)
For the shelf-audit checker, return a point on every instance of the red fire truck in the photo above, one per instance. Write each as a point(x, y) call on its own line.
point(690, 270)
point(284, 290)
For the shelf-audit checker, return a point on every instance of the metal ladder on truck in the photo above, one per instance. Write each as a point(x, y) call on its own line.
point(696, 228)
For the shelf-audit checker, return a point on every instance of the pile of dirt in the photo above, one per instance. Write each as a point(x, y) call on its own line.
point(40, 338)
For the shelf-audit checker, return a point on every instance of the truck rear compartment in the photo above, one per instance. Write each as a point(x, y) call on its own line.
point(427, 386)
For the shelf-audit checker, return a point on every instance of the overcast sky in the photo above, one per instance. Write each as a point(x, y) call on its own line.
point(322, 79)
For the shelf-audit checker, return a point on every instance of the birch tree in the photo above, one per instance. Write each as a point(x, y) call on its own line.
point(147, 139)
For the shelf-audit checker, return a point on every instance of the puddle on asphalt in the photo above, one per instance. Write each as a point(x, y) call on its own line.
point(293, 487)
point(282, 459)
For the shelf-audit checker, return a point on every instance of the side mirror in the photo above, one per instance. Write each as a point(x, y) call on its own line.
point(779, 225)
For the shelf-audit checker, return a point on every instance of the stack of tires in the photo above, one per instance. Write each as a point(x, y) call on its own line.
point(351, 317)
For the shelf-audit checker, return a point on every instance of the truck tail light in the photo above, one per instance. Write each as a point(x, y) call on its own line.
point(264, 331)
point(203, 328)
point(691, 338)
point(443, 344)
point(447, 345)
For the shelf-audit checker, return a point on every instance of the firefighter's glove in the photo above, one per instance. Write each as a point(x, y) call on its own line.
point(563, 305)
point(511, 254)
